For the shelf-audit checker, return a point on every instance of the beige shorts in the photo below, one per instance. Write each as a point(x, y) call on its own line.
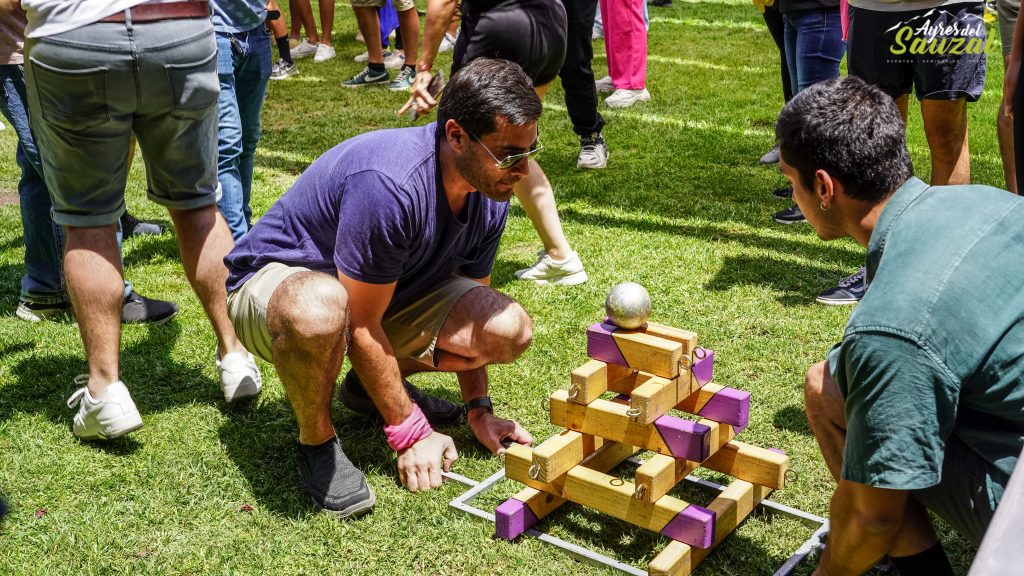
point(412, 331)
point(400, 5)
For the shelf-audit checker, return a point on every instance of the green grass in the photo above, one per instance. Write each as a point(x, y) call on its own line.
point(683, 208)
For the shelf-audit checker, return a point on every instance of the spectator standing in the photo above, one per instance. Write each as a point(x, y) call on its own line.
point(625, 41)
point(285, 66)
point(375, 71)
point(777, 28)
point(167, 53)
point(317, 45)
point(244, 66)
point(577, 76)
point(1008, 11)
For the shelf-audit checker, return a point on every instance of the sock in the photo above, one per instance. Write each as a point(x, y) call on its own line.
point(931, 562)
point(410, 67)
point(376, 68)
point(284, 49)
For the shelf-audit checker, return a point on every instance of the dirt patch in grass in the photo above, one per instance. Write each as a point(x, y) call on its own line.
point(8, 197)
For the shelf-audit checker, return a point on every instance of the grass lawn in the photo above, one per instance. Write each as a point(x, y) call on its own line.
point(684, 208)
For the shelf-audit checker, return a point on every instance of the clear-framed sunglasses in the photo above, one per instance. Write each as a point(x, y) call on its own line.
point(510, 161)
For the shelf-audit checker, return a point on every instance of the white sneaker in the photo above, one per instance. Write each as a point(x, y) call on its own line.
point(547, 270)
point(323, 53)
point(364, 57)
point(394, 60)
point(623, 98)
point(593, 152)
point(305, 49)
point(239, 377)
point(447, 43)
point(604, 85)
point(771, 156)
point(109, 417)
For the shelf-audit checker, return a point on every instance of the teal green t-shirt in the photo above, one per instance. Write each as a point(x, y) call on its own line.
point(936, 346)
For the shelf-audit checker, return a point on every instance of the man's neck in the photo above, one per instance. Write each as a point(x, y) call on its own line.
point(863, 218)
point(456, 188)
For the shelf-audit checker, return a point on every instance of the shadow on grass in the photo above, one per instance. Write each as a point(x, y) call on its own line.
point(143, 250)
point(793, 419)
point(795, 283)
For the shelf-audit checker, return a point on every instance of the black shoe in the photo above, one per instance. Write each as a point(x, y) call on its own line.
point(784, 193)
point(660, 3)
point(789, 215)
point(138, 309)
point(333, 483)
point(33, 312)
point(132, 226)
point(440, 413)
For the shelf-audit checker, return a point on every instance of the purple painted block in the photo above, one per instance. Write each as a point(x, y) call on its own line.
point(777, 451)
point(704, 368)
point(695, 526)
point(512, 518)
point(684, 438)
point(728, 406)
point(601, 346)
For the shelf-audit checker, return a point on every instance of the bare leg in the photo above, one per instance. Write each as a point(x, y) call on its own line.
point(307, 317)
point(204, 240)
point(369, 25)
point(303, 12)
point(903, 102)
point(409, 23)
point(945, 126)
point(1004, 127)
point(825, 412)
point(296, 27)
point(92, 266)
point(538, 201)
point(326, 20)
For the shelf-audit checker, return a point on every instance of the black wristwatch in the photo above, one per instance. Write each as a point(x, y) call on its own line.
point(481, 402)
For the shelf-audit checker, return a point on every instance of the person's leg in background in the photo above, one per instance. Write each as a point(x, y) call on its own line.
point(1008, 11)
point(325, 51)
point(229, 136)
point(776, 27)
point(302, 16)
point(250, 89)
point(626, 36)
point(409, 34)
point(577, 75)
point(369, 26)
point(285, 66)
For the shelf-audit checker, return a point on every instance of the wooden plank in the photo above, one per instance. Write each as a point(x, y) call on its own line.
point(719, 403)
point(556, 455)
point(751, 463)
point(664, 472)
point(653, 397)
point(731, 507)
point(519, 458)
point(519, 513)
point(685, 337)
point(667, 435)
point(668, 516)
point(589, 381)
point(633, 348)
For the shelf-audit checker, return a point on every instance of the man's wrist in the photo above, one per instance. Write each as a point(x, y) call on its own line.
point(477, 407)
point(423, 67)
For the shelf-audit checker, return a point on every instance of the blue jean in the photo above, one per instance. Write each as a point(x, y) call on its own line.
point(43, 282)
point(243, 64)
point(814, 46)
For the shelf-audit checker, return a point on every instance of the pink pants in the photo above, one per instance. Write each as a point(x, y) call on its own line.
point(625, 41)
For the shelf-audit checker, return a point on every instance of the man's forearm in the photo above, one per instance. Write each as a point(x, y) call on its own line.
point(439, 16)
point(375, 363)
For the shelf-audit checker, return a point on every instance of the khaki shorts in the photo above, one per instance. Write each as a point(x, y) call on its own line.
point(400, 5)
point(412, 331)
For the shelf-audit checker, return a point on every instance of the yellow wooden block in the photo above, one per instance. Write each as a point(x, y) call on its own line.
point(588, 382)
point(614, 497)
point(685, 337)
point(653, 397)
point(556, 455)
point(659, 474)
point(648, 353)
point(750, 463)
point(518, 460)
point(606, 419)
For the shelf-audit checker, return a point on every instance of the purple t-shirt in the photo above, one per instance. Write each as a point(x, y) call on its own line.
point(374, 208)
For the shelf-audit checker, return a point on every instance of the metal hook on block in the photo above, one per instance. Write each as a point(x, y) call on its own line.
point(533, 472)
point(545, 404)
point(574, 391)
point(792, 476)
point(633, 412)
point(639, 492)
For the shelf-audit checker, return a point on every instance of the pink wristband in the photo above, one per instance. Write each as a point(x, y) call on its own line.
point(410, 431)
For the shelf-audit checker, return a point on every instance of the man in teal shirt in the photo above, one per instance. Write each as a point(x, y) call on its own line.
point(921, 406)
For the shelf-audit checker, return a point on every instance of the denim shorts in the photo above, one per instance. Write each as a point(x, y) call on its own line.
point(939, 53)
point(91, 88)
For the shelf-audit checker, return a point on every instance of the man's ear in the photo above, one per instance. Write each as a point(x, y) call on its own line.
point(456, 135)
point(824, 188)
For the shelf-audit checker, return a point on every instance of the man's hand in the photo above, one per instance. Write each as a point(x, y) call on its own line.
point(421, 99)
point(419, 466)
point(491, 430)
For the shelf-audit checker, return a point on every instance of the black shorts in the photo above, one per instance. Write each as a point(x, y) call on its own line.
point(531, 33)
point(938, 52)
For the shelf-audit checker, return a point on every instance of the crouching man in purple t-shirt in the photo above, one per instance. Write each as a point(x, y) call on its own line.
point(385, 245)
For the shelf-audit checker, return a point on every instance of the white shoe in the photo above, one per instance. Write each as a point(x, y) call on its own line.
point(447, 43)
point(305, 49)
point(239, 377)
point(605, 85)
point(363, 58)
point(109, 417)
point(547, 270)
point(623, 98)
point(394, 60)
point(324, 53)
point(593, 152)
point(771, 156)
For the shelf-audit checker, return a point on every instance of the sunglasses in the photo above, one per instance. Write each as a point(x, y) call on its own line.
point(510, 161)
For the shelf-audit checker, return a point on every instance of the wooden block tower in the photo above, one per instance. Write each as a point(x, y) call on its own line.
point(652, 369)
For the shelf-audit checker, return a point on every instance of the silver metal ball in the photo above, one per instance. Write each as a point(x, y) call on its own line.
point(628, 305)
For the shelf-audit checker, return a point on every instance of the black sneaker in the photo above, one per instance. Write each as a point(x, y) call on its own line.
point(333, 483)
point(789, 215)
point(660, 3)
point(849, 291)
point(440, 413)
point(784, 193)
point(138, 309)
point(32, 312)
point(132, 226)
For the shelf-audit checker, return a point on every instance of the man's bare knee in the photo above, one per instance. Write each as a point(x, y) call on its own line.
point(308, 306)
point(507, 333)
point(822, 400)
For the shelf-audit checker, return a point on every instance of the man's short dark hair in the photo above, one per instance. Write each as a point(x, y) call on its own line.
point(850, 129)
point(485, 89)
